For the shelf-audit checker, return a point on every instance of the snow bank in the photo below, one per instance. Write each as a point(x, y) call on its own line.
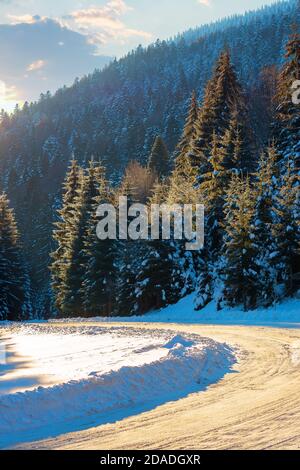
point(53, 355)
point(285, 314)
point(189, 366)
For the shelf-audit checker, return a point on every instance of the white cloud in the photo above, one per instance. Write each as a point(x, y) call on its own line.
point(206, 3)
point(28, 19)
point(37, 65)
point(104, 23)
point(99, 25)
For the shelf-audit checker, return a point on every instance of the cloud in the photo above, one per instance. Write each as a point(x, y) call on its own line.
point(206, 3)
point(23, 19)
point(37, 65)
point(104, 23)
point(43, 55)
point(8, 97)
point(40, 53)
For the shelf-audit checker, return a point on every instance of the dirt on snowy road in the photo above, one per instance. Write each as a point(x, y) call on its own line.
point(257, 406)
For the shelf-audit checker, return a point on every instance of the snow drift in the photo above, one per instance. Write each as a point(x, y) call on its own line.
point(190, 365)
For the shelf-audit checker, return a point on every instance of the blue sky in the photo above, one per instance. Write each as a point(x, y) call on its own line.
point(45, 44)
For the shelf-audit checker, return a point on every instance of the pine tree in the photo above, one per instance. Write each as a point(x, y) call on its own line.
point(99, 280)
point(129, 257)
point(223, 100)
point(159, 279)
point(161, 270)
point(267, 187)
point(14, 280)
point(238, 269)
point(159, 160)
point(62, 231)
point(286, 128)
point(236, 147)
point(183, 185)
point(74, 268)
point(189, 132)
point(287, 234)
point(213, 189)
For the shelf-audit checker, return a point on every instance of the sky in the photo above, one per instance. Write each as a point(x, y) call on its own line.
point(46, 44)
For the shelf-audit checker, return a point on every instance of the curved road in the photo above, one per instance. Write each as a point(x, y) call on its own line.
point(255, 407)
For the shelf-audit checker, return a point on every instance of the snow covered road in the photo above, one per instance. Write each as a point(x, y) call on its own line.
point(258, 407)
point(62, 377)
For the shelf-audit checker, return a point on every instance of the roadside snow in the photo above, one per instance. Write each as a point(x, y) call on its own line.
point(101, 375)
point(55, 355)
point(285, 314)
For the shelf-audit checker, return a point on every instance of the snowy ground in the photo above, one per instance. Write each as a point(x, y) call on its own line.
point(285, 314)
point(60, 378)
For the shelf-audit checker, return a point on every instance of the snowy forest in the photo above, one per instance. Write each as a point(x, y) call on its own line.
point(205, 117)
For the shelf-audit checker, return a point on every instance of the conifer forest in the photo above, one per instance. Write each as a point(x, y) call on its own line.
point(206, 117)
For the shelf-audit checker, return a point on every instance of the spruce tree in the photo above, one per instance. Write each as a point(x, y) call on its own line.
point(287, 123)
point(237, 150)
point(223, 100)
point(99, 279)
point(159, 279)
point(62, 231)
point(213, 188)
point(189, 132)
point(74, 267)
point(287, 234)
point(267, 188)
point(159, 160)
point(239, 273)
point(160, 275)
point(14, 280)
point(129, 257)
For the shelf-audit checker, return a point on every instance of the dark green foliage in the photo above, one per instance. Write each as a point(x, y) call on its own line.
point(159, 160)
point(223, 113)
point(61, 234)
point(267, 187)
point(100, 258)
point(158, 280)
point(14, 281)
point(286, 232)
point(239, 274)
point(189, 134)
point(287, 124)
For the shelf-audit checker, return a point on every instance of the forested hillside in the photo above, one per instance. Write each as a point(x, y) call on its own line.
point(116, 114)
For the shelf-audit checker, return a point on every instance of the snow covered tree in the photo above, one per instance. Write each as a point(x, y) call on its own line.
point(99, 278)
point(223, 100)
point(213, 188)
point(189, 131)
point(74, 267)
point(62, 232)
point(129, 256)
point(267, 187)
point(14, 280)
point(159, 160)
point(159, 279)
point(287, 234)
point(237, 149)
point(161, 271)
point(287, 124)
point(239, 274)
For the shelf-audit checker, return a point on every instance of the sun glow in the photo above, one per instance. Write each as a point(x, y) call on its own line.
point(8, 98)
